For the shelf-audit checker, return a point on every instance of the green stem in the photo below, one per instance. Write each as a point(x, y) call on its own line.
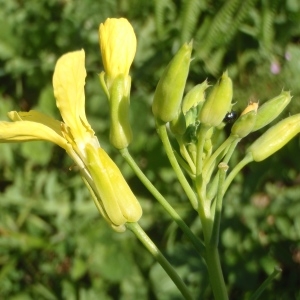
point(158, 196)
point(161, 128)
point(215, 273)
point(263, 286)
point(214, 240)
point(247, 159)
point(230, 150)
point(186, 155)
point(151, 247)
point(211, 234)
point(211, 160)
point(200, 145)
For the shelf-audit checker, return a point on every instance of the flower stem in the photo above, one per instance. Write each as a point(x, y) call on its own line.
point(212, 159)
point(165, 204)
point(161, 128)
point(247, 159)
point(214, 240)
point(263, 286)
point(151, 247)
point(200, 145)
point(215, 273)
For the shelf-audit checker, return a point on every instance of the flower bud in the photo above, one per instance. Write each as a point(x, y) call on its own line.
point(170, 88)
point(218, 102)
point(252, 106)
point(116, 199)
point(118, 46)
point(271, 110)
point(244, 124)
point(194, 97)
point(275, 138)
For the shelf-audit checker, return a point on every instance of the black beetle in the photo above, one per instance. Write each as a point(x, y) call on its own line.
point(230, 117)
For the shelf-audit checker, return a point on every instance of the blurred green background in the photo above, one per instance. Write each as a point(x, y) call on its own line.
point(53, 243)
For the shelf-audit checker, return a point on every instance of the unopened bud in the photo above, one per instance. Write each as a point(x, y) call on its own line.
point(170, 88)
point(244, 124)
point(194, 97)
point(218, 102)
point(271, 110)
point(275, 138)
point(118, 46)
point(252, 106)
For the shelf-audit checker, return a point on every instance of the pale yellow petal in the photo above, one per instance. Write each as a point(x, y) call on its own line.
point(22, 131)
point(37, 117)
point(68, 83)
point(118, 46)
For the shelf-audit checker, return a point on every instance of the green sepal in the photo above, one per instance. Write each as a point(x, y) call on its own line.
point(116, 199)
point(103, 84)
point(120, 134)
point(195, 97)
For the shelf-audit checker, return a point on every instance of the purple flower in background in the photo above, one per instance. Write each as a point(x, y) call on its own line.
point(275, 67)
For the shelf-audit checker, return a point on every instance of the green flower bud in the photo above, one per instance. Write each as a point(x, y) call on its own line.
point(194, 97)
point(271, 110)
point(218, 102)
point(170, 88)
point(275, 138)
point(244, 124)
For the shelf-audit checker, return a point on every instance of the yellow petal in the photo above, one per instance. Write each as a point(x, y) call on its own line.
point(22, 131)
point(68, 83)
point(37, 117)
point(118, 46)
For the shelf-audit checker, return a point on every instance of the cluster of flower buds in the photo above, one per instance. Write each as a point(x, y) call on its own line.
point(188, 114)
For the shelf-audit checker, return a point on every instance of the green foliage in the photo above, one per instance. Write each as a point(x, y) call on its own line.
point(53, 244)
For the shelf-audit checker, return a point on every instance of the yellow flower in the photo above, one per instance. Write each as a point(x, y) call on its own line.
point(109, 189)
point(118, 46)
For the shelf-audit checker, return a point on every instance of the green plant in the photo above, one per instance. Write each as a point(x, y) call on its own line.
point(196, 122)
